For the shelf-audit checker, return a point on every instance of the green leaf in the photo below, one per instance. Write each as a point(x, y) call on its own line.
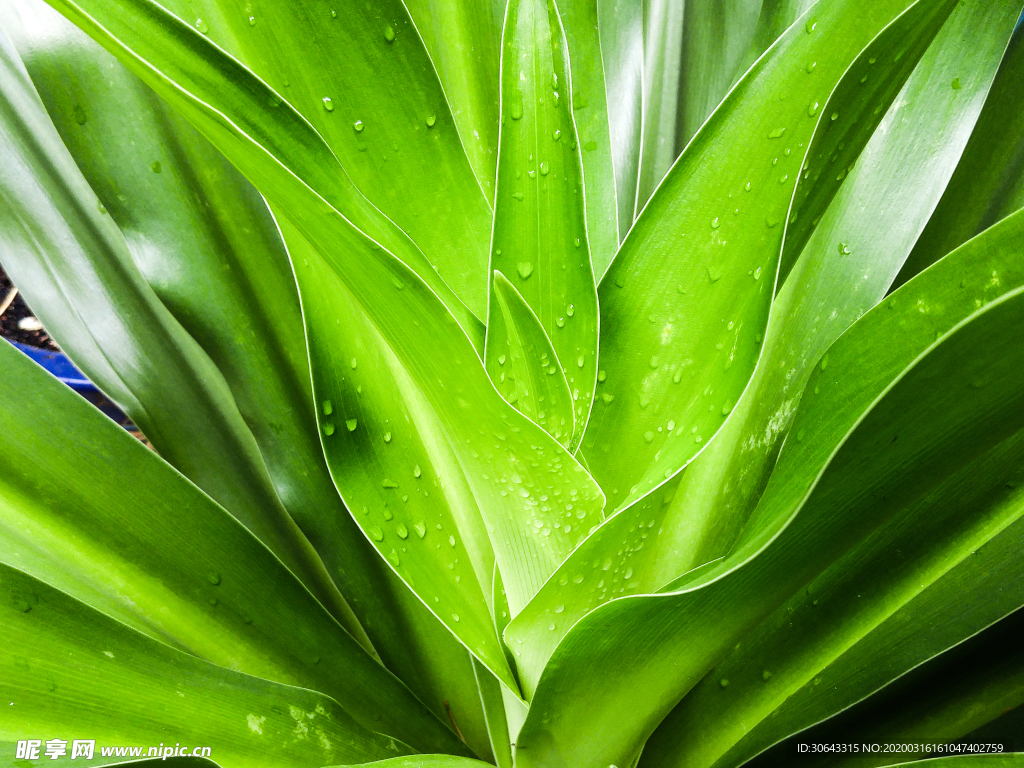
point(387, 120)
point(843, 477)
point(716, 51)
point(441, 474)
point(494, 710)
point(960, 697)
point(524, 367)
point(75, 265)
point(664, 21)
point(464, 43)
point(685, 303)
point(590, 111)
point(540, 240)
point(112, 525)
point(434, 348)
point(849, 261)
point(988, 184)
point(205, 241)
point(852, 618)
point(620, 27)
point(861, 102)
point(888, 599)
point(245, 720)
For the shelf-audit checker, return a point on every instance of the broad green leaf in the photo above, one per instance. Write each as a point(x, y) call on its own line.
point(861, 102)
point(717, 40)
point(66, 654)
point(685, 304)
point(435, 479)
point(655, 539)
point(776, 17)
point(961, 696)
point(988, 184)
point(204, 239)
point(434, 349)
point(540, 239)
point(888, 599)
point(112, 525)
point(378, 106)
point(524, 367)
point(75, 265)
point(663, 24)
point(259, 131)
point(580, 24)
point(464, 42)
point(849, 261)
point(841, 479)
point(620, 26)
point(494, 710)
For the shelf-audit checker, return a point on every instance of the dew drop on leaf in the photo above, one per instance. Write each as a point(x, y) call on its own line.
point(155, 167)
point(402, 531)
point(387, 437)
point(544, 168)
point(328, 408)
point(431, 120)
point(328, 429)
point(956, 84)
point(328, 104)
point(416, 471)
point(777, 133)
point(214, 578)
point(715, 223)
point(79, 114)
point(252, 21)
point(420, 528)
point(389, 33)
point(351, 424)
point(376, 533)
point(525, 269)
point(570, 310)
point(358, 125)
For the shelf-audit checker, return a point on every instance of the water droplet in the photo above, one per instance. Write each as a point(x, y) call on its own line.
point(956, 84)
point(578, 579)
point(576, 242)
point(328, 429)
point(765, 675)
point(811, 65)
point(835, 116)
point(389, 33)
point(556, 135)
point(358, 125)
point(844, 249)
point(757, 273)
point(402, 531)
point(517, 110)
point(202, 26)
point(726, 408)
point(545, 169)
point(648, 437)
point(328, 104)
point(376, 533)
point(581, 361)
point(812, 109)
point(351, 424)
point(824, 362)
point(777, 133)
point(809, 26)
point(607, 398)
point(570, 310)
point(252, 21)
point(421, 529)
point(387, 437)
point(715, 223)
point(451, 541)
point(79, 114)
point(783, 178)
point(770, 222)
point(747, 187)
point(214, 578)
point(431, 120)
point(455, 616)
point(334, 14)
point(388, 483)
point(501, 359)
point(525, 269)
point(714, 273)
point(155, 167)
point(416, 471)
point(518, 195)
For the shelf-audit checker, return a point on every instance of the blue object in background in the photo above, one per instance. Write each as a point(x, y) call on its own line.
point(60, 366)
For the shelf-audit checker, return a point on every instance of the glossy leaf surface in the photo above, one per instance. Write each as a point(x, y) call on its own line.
point(540, 240)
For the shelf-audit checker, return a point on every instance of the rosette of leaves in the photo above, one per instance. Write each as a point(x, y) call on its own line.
point(550, 385)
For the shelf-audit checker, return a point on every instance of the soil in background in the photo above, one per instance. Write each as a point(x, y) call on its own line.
point(14, 314)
